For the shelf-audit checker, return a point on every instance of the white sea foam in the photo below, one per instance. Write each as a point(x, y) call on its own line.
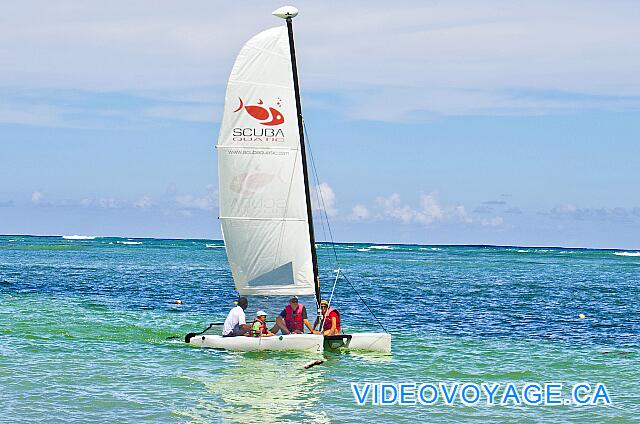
point(523, 251)
point(129, 242)
point(381, 247)
point(76, 237)
point(213, 246)
point(363, 250)
point(433, 249)
point(627, 253)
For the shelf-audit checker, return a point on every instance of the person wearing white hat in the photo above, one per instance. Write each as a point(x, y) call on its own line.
point(259, 326)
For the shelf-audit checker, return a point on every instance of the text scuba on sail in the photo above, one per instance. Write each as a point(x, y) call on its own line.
point(258, 134)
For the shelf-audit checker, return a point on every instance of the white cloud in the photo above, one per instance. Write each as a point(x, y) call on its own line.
point(327, 198)
point(430, 211)
point(392, 208)
point(37, 196)
point(595, 214)
point(429, 58)
point(359, 213)
point(109, 203)
point(495, 221)
point(103, 202)
point(564, 210)
point(170, 202)
point(460, 214)
point(514, 210)
point(207, 202)
point(143, 203)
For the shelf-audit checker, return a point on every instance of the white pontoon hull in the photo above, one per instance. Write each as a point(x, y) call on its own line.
point(375, 342)
point(306, 342)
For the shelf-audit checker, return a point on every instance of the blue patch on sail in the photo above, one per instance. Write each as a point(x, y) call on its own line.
point(281, 276)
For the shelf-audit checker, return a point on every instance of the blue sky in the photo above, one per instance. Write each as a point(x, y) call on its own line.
point(430, 122)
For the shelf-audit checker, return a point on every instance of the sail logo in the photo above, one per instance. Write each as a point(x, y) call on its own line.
point(250, 182)
point(269, 116)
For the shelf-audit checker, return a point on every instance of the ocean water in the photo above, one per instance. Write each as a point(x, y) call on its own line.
point(84, 328)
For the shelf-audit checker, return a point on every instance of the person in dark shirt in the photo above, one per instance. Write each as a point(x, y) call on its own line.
point(293, 319)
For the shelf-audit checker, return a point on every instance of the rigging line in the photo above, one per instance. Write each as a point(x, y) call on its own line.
point(321, 328)
point(365, 303)
point(318, 191)
point(334, 287)
point(333, 245)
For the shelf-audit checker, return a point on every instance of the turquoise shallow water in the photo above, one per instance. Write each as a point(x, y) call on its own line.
point(84, 327)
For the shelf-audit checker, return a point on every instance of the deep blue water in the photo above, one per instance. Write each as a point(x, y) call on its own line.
point(84, 327)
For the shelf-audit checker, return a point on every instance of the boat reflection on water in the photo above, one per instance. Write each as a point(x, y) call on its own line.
point(252, 387)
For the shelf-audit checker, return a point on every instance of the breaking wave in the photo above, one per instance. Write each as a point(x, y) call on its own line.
point(627, 253)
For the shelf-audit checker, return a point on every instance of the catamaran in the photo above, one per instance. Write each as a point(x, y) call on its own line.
point(265, 203)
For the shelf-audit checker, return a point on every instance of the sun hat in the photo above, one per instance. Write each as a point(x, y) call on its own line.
point(261, 313)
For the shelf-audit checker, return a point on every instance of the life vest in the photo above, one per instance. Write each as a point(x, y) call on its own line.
point(293, 319)
point(331, 312)
point(263, 329)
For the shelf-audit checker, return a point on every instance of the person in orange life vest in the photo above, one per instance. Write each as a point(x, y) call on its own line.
point(293, 319)
point(331, 325)
point(259, 326)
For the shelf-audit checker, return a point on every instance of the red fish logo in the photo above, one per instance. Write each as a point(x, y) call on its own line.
point(271, 115)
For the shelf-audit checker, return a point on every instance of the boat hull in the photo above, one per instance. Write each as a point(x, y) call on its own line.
point(373, 342)
point(304, 342)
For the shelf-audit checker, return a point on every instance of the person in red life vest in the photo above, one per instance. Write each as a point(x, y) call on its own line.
point(259, 326)
point(331, 325)
point(293, 319)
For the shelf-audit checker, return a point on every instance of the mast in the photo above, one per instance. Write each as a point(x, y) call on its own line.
point(288, 13)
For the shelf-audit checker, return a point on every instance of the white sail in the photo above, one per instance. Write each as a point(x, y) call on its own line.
point(262, 199)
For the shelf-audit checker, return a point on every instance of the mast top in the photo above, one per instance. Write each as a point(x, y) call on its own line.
point(285, 12)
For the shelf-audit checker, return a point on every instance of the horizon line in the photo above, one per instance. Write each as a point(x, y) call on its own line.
point(354, 242)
